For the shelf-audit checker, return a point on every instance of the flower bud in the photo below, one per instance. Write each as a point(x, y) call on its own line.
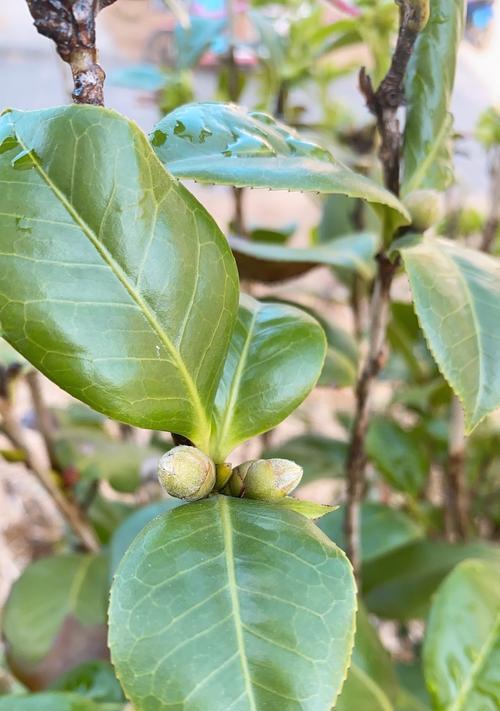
point(186, 473)
point(265, 479)
point(425, 208)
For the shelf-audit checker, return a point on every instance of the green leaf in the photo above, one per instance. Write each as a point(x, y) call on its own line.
point(147, 77)
point(123, 292)
point(371, 683)
point(224, 144)
point(427, 149)
point(399, 585)
point(338, 217)
point(383, 529)
point(406, 340)
point(309, 509)
point(96, 456)
point(55, 617)
point(462, 641)
point(342, 358)
point(398, 455)
point(275, 358)
point(319, 457)
point(232, 604)
point(48, 702)
point(266, 262)
point(133, 525)
point(456, 291)
point(94, 680)
point(9, 356)
point(195, 39)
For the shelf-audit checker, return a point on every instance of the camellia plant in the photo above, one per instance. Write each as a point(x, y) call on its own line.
point(120, 287)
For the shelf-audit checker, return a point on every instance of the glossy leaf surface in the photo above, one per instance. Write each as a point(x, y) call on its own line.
point(428, 150)
point(456, 292)
point(399, 585)
point(397, 454)
point(383, 529)
point(266, 262)
point(133, 525)
point(232, 604)
point(224, 144)
point(319, 457)
point(55, 617)
point(462, 642)
point(115, 282)
point(274, 360)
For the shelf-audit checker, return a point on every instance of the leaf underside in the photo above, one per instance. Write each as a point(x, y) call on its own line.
point(456, 292)
point(227, 145)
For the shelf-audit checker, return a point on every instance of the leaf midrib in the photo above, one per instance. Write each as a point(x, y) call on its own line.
point(122, 277)
point(227, 530)
point(475, 669)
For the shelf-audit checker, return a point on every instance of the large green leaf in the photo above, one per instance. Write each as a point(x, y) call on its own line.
point(275, 358)
point(55, 617)
point(462, 641)
point(371, 683)
point(383, 529)
point(225, 144)
point(397, 454)
point(114, 282)
point(52, 702)
point(456, 291)
point(266, 262)
point(232, 604)
point(400, 584)
point(320, 457)
point(428, 151)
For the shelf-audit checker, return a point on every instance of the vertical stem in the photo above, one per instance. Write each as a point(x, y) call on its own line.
point(457, 500)
point(43, 418)
point(383, 104)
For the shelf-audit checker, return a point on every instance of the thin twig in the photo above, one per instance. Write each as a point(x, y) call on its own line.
point(492, 224)
point(68, 509)
point(43, 419)
point(71, 25)
point(457, 509)
point(383, 104)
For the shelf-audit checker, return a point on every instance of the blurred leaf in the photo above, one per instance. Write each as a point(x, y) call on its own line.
point(55, 617)
point(371, 683)
point(275, 262)
point(194, 40)
point(128, 530)
point(320, 457)
point(338, 217)
point(462, 640)
point(275, 359)
point(51, 702)
point(147, 77)
point(224, 144)
point(399, 585)
point(488, 127)
point(456, 291)
point(383, 529)
point(406, 339)
point(106, 515)
point(273, 236)
point(427, 149)
point(398, 455)
point(76, 413)
point(231, 599)
point(342, 358)
point(96, 456)
point(411, 678)
point(94, 680)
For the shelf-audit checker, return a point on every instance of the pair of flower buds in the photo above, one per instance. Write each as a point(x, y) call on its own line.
point(187, 473)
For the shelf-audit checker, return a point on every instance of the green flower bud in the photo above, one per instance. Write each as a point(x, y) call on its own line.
point(265, 479)
point(186, 473)
point(425, 208)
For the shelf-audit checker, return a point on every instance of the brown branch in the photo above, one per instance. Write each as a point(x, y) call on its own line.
point(68, 509)
point(43, 419)
point(71, 25)
point(457, 509)
point(383, 104)
point(493, 222)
